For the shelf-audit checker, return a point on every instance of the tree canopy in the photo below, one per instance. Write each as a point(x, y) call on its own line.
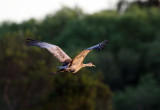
point(128, 67)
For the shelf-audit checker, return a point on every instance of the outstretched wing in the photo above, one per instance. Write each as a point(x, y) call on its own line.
point(80, 57)
point(55, 50)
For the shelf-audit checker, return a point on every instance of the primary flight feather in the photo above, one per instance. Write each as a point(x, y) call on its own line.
point(69, 65)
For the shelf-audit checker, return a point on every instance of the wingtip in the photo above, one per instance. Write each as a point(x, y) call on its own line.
point(102, 45)
point(29, 41)
point(99, 46)
point(105, 41)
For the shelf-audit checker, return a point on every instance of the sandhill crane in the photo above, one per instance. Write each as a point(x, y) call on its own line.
point(69, 65)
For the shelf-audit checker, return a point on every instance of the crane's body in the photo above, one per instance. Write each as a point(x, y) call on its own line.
point(74, 68)
point(69, 65)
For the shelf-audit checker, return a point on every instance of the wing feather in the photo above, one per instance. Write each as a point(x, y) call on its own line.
point(81, 56)
point(54, 49)
point(99, 46)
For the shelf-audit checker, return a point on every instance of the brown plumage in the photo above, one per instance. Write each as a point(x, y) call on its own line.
point(69, 65)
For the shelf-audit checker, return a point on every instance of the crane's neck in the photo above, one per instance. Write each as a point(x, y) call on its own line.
point(88, 65)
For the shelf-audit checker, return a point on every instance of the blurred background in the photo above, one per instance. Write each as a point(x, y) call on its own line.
point(127, 73)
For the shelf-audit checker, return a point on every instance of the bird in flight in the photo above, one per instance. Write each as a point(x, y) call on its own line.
point(68, 64)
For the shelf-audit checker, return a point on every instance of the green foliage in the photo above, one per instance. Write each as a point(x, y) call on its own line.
point(145, 96)
point(78, 93)
point(27, 81)
point(133, 51)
